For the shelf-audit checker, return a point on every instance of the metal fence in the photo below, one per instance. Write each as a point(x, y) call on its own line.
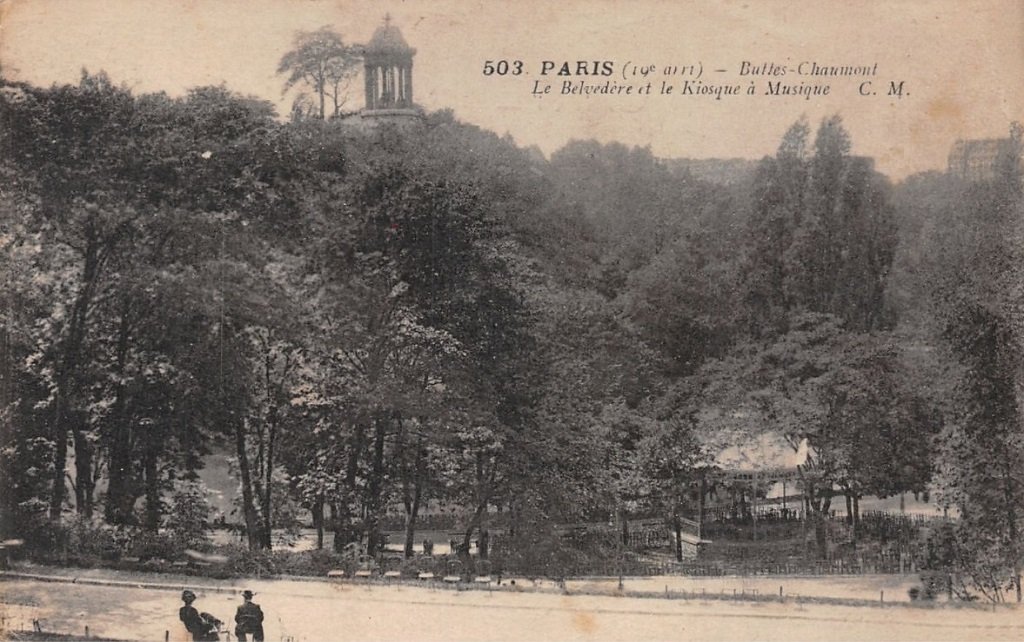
point(865, 565)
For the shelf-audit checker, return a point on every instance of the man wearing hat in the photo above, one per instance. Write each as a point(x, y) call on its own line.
point(249, 619)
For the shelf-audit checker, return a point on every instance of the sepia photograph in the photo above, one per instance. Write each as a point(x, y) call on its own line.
point(474, 320)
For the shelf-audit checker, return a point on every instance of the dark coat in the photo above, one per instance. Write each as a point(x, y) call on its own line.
point(249, 619)
point(193, 623)
point(202, 626)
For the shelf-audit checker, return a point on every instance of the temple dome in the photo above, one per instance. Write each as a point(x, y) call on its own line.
point(388, 40)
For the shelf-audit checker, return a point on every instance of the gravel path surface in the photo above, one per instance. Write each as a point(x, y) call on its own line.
point(307, 611)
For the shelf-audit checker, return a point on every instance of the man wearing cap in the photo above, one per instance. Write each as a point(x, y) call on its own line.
point(249, 619)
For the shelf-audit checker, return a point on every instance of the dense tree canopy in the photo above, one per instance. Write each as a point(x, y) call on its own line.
point(372, 321)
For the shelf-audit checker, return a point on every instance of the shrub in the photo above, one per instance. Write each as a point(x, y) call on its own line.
point(88, 544)
point(546, 554)
point(48, 541)
point(314, 563)
point(189, 516)
point(77, 542)
point(147, 545)
point(242, 561)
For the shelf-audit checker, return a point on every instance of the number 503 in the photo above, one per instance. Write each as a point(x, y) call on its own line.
point(503, 67)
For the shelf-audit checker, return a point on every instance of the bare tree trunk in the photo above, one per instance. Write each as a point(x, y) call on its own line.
point(60, 457)
point(703, 495)
point(678, 527)
point(318, 520)
point(474, 523)
point(118, 508)
point(84, 482)
point(341, 519)
point(337, 538)
point(410, 523)
point(71, 350)
point(322, 90)
point(412, 504)
point(252, 525)
point(375, 487)
point(485, 485)
point(268, 482)
point(152, 475)
point(335, 98)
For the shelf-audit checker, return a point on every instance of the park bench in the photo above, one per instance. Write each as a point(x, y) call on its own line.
point(483, 572)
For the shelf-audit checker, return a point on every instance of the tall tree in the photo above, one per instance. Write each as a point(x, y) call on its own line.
point(73, 140)
point(822, 235)
point(777, 212)
point(843, 247)
point(978, 292)
point(323, 62)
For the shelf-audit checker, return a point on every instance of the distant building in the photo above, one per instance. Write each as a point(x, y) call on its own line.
point(388, 76)
point(720, 171)
point(978, 160)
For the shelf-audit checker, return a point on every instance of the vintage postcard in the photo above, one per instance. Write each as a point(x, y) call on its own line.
point(479, 320)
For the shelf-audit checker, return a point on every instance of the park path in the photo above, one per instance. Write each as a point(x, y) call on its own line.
point(307, 611)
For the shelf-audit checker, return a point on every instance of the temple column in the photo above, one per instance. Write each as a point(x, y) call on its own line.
point(408, 84)
point(376, 86)
point(368, 89)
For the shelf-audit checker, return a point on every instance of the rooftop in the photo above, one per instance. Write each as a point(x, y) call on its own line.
point(388, 39)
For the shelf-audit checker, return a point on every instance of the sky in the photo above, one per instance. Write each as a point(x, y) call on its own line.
point(961, 63)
